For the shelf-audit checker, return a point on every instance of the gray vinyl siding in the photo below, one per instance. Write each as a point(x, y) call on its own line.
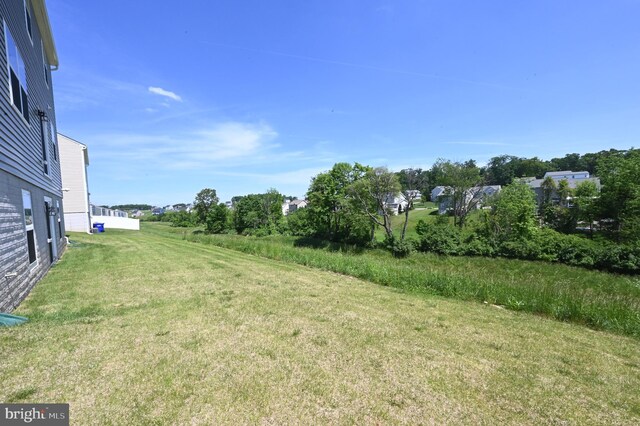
point(14, 256)
point(21, 166)
point(21, 149)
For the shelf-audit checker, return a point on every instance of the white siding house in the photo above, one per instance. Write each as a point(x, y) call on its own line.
point(74, 159)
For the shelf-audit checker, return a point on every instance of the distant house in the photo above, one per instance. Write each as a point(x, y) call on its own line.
point(290, 206)
point(437, 192)
point(74, 160)
point(573, 179)
point(157, 211)
point(396, 203)
point(413, 194)
point(294, 205)
point(566, 174)
point(180, 207)
point(31, 226)
point(136, 213)
point(285, 206)
point(477, 197)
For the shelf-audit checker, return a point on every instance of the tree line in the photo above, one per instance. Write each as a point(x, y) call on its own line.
point(349, 202)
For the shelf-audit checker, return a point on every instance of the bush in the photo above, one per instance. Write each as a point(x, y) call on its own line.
point(619, 258)
point(183, 219)
point(299, 224)
point(442, 239)
point(477, 245)
point(399, 248)
point(544, 245)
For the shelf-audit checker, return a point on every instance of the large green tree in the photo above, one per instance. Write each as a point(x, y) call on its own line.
point(464, 185)
point(258, 212)
point(205, 200)
point(371, 194)
point(331, 212)
point(585, 203)
point(514, 214)
point(620, 195)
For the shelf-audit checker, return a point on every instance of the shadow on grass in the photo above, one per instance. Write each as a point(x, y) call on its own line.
point(316, 243)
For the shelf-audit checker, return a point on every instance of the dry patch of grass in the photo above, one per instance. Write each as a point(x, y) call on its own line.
point(135, 328)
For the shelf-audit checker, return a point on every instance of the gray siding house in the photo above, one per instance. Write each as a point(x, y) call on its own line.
point(573, 179)
point(31, 225)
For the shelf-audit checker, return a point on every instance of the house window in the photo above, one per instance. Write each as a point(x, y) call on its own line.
point(28, 224)
point(27, 18)
point(17, 76)
point(44, 139)
point(59, 219)
point(45, 65)
point(54, 141)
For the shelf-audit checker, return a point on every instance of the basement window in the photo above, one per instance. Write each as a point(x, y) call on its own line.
point(28, 224)
point(17, 76)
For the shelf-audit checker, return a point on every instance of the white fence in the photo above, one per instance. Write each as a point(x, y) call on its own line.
point(103, 211)
point(113, 219)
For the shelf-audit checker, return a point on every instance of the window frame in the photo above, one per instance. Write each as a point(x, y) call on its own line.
point(28, 20)
point(21, 110)
point(58, 213)
point(45, 66)
point(29, 227)
point(53, 142)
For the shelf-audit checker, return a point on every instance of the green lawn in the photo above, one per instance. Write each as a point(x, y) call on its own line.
point(427, 213)
point(597, 299)
point(146, 328)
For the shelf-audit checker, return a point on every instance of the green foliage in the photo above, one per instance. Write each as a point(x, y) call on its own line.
point(216, 221)
point(205, 201)
point(182, 219)
point(370, 194)
point(620, 196)
point(258, 213)
point(586, 203)
point(459, 178)
point(514, 212)
point(599, 300)
point(439, 238)
point(502, 170)
point(399, 248)
point(414, 179)
point(132, 207)
point(331, 213)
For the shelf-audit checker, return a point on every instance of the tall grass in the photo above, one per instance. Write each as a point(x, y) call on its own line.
point(599, 300)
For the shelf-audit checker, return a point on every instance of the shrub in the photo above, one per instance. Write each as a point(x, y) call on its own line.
point(477, 245)
point(442, 239)
point(399, 248)
point(183, 219)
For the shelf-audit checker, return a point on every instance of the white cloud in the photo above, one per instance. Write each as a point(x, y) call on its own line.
point(226, 144)
point(160, 91)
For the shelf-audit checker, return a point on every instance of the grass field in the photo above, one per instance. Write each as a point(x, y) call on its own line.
point(597, 299)
point(424, 213)
point(145, 328)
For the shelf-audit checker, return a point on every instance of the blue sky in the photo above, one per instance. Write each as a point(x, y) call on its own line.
point(242, 96)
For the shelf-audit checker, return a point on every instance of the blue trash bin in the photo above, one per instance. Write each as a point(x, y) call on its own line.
point(99, 226)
